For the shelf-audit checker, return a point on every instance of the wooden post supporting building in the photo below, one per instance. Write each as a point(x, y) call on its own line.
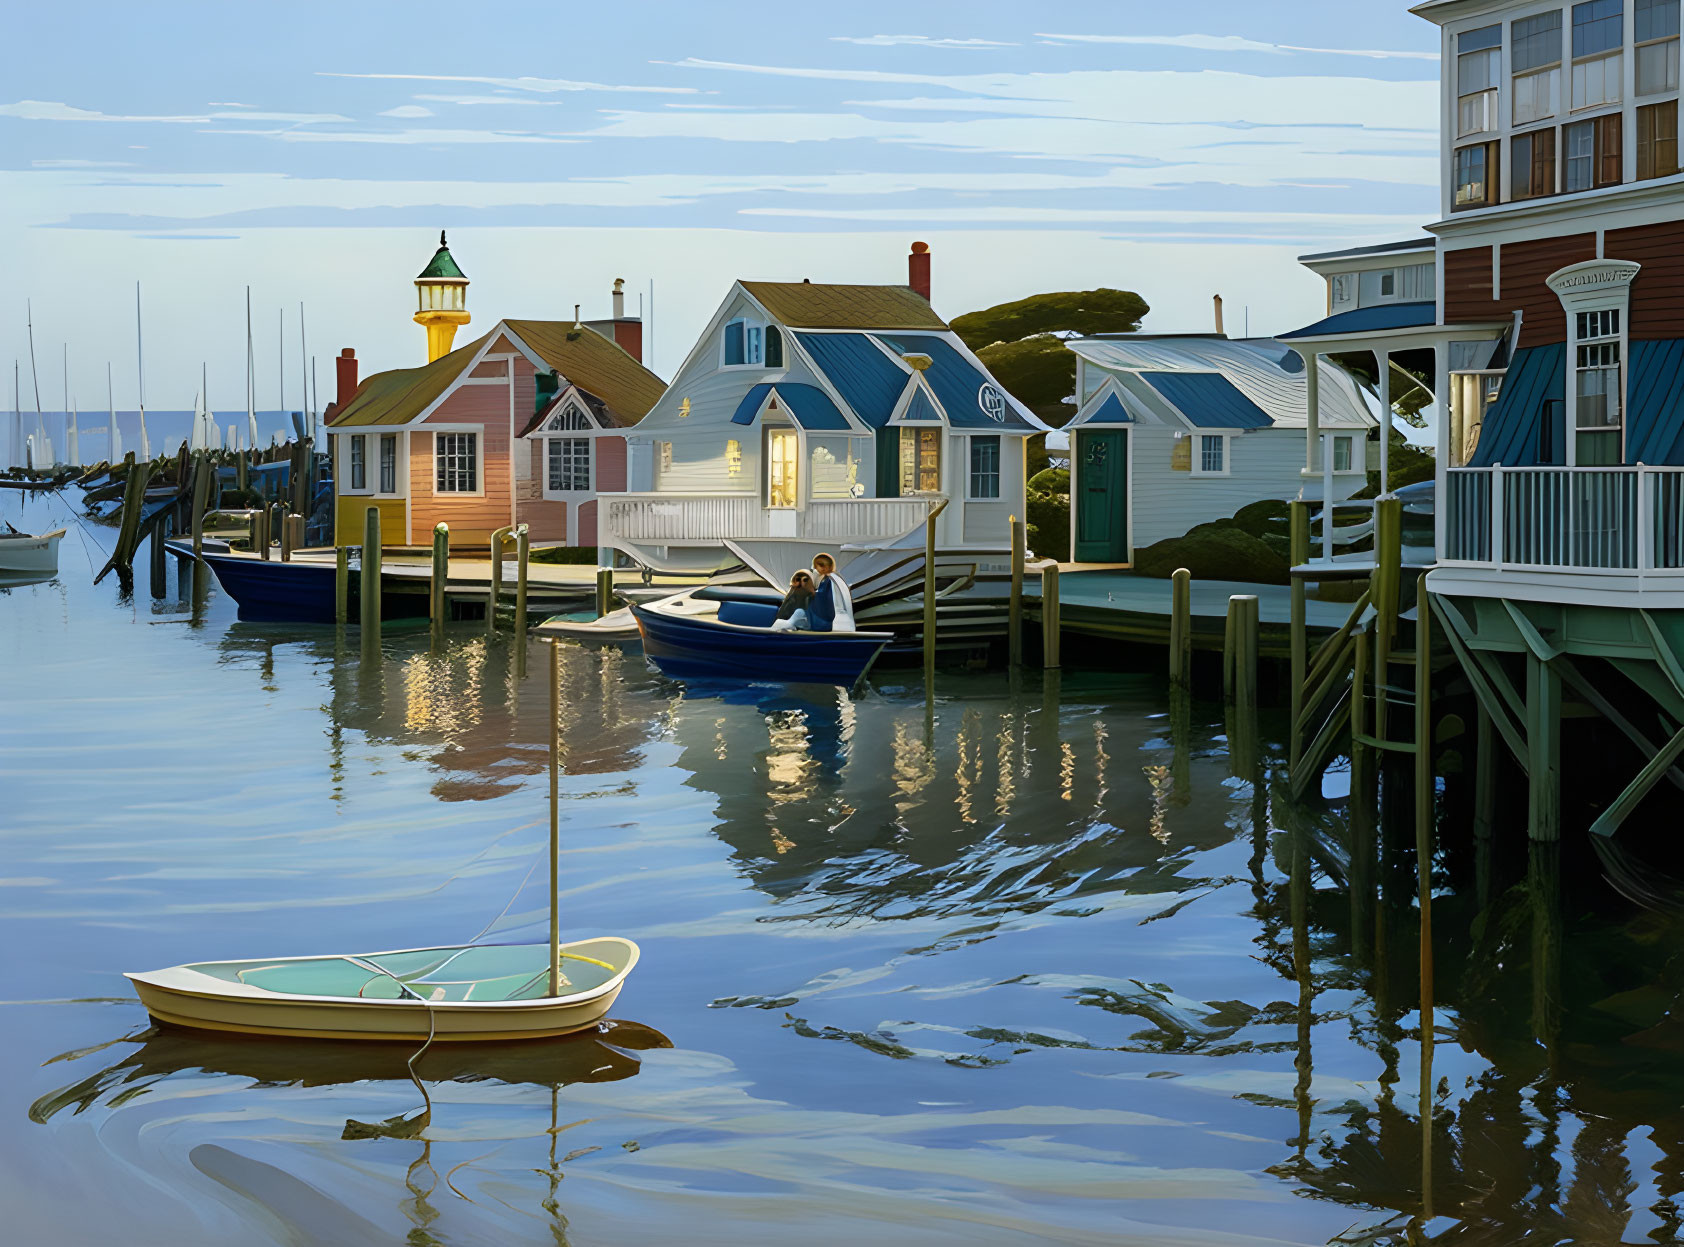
point(1239, 660)
point(1050, 627)
point(1014, 618)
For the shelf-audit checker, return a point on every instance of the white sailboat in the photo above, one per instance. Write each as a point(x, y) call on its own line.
point(72, 440)
point(115, 438)
point(456, 992)
point(251, 384)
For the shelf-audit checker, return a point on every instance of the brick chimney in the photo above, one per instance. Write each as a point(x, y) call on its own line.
point(918, 269)
point(346, 367)
point(1217, 302)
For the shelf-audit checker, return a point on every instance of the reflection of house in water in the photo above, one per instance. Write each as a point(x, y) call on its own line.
point(996, 805)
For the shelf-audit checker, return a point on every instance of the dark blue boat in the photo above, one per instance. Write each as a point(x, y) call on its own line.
point(270, 591)
point(739, 644)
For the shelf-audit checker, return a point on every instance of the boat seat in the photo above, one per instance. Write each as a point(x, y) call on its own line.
point(748, 614)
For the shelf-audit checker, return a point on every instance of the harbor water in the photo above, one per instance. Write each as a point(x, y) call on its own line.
point(1046, 959)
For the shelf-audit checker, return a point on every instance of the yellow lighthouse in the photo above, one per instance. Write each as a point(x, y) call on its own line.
point(442, 294)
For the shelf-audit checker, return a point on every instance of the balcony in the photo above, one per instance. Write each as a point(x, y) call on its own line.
point(1609, 522)
point(709, 519)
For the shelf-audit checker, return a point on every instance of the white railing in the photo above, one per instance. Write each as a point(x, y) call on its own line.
point(1586, 519)
point(712, 518)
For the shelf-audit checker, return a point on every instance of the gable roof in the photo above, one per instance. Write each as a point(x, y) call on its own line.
point(1208, 400)
point(864, 375)
point(809, 305)
point(810, 406)
point(971, 398)
point(1111, 411)
point(582, 356)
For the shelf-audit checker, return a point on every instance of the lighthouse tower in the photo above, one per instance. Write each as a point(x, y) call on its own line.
point(442, 301)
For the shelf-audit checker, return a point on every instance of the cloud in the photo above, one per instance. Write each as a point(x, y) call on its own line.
point(541, 85)
point(46, 110)
point(408, 110)
point(918, 41)
point(302, 119)
point(69, 162)
point(1236, 43)
point(404, 137)
point(228, 104)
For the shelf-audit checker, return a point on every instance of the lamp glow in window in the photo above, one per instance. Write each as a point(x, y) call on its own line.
point(733, 457)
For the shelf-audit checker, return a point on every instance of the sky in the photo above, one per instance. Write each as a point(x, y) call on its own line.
point(314, 151)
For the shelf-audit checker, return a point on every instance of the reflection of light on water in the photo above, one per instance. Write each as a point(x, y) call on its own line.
point(1163, 787)
point(432, 701)
point(1006, 788)
point(968, 749)
point(787, 765)
point(1100, 758)
point(719, 749)
point(914, 767)
point(1066, 770)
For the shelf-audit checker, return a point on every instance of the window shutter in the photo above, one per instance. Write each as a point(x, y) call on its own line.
point(1543, 162)
point(888, 462)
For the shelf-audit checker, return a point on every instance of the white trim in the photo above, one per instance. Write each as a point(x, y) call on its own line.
point(914, 384)
point(477, 432)
point(999, 466)
point(1593, 286)
point(575, 496)
point(1198, 448)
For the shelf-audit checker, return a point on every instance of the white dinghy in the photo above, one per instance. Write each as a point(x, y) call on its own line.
point(460, 992)
point(28, 554)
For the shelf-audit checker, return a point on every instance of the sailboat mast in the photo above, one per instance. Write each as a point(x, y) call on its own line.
point(281, 360)
point(303, 375)
point(140, 372)
point(555, 819)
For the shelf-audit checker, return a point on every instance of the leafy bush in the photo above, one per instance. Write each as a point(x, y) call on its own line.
point(563, 555)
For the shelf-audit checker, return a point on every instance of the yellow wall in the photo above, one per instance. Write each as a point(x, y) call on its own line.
point(349, 517)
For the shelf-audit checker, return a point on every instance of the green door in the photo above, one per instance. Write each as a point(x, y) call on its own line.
point(1101, 502)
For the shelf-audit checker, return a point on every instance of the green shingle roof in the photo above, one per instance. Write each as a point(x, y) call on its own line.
point(804, 305)
point(443, 264)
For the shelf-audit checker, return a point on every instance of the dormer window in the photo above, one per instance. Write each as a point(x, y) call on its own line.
point(745, 344)
point(774, 347)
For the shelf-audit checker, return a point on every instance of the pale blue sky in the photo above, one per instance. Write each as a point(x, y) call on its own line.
point(315, 150)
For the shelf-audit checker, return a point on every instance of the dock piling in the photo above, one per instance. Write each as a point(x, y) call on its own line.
point(1298, 554)
point(1240, 659)
point(604, 591)
point(341, 584)
point(930, 589)
point(159, 568)
point(260, 532)
point(441, 577)
point(523, 548)
point(1181, 627)
point(1014, 625)
point(1050, 628)
point(496, 588)
point(369, 584)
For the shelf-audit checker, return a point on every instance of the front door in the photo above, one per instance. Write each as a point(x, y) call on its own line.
point(1101, 501)
point(783, 468)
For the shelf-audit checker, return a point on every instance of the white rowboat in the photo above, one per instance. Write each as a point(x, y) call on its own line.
point(25, 552)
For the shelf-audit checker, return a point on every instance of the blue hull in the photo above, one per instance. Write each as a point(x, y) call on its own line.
point(277, 592)
point(706, 649)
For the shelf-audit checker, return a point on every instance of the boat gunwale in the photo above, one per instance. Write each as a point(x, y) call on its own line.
point(806, 637)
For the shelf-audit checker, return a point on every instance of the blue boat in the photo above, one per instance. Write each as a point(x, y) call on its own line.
point(690, 639)
point(300, 591)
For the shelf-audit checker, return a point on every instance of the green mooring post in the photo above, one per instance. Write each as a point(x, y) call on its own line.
point(441, 577)
point(523, 548)
point(1240, 660)
point(604, 591)
point(496, 587)
point(1298, 554)
point(1181, 627)
point(1050, 624)
point(341, 584)
point(369, 583)
point(1014, 618)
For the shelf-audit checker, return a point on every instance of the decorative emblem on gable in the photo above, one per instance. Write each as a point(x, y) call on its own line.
point(1593, 275)
point(684, 410)
point(992, 401)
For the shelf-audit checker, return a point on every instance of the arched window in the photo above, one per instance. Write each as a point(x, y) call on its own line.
point(774, 347)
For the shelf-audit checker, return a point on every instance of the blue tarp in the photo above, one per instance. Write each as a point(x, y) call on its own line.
point(1111, 411)
point(1370, 320)
point(970, 397)
point(1510, 433)
point(810, 405)
point(1208, 400)
point(1655, 410)
point(868, 380)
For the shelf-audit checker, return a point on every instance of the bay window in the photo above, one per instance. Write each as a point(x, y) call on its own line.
point(1535, 60)
point(1657, 140)
point(456, 463)
point(1479, 53)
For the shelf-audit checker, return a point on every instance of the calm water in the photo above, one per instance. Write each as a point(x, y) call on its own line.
point(1035, 965)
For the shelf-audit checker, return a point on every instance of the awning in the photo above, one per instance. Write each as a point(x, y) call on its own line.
point(1382, 318)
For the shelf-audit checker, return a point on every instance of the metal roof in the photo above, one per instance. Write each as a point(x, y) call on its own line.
point(1655, 412)
point(1511, 431)
point(1384, 248)
point(1266, 371)
point(1111, 411)
point(443, 264)
point(1208, 400)
point(810, 406)
point(1375, 319)
point(867, 379)
point(806, 305)
point(971, 398)
point(920, 407)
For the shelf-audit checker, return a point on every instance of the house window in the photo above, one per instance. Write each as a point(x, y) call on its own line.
point(1598, 66)
point(570, 464)
point(1532, 163)
point(752, 344)
point(388, 463)
point(456, 463)
point(744, 343)
point(1535, 60)
point(1657, 46)
point(359, 461)
point(783, 468)
point(1342, 447)
point(985, 467)
point(1596, 387)
point(1479, 52)
point(1474, 167)
point(774, 347)
point(569, 418)
point(734, 343)
point(1657, 140)
point(1593, 153)
point(920, 461)
point(1213, 454)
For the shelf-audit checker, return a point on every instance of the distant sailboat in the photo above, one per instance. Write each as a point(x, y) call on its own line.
point(140, 360)
point(115, 438)
point(72, 443)
point(251, 383)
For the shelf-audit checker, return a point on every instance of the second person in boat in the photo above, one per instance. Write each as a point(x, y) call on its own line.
point(792, 614)
point(832, 607)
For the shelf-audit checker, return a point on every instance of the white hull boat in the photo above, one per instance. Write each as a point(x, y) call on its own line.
point(472, 992)
point(28, 554)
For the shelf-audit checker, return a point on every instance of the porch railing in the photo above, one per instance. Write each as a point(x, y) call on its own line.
point(1585, 519)
point(663, 518)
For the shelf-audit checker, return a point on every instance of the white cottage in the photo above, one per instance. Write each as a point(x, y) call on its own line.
point(1171, 432)
point(812, 417)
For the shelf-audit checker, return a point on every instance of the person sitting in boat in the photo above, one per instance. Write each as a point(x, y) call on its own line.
point(792, 614)
point(832, 607)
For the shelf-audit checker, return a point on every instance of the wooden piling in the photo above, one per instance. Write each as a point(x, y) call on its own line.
point(1050, 626)
point(341, 584)
point(1298, 554)
point(436, 605)
point(295, 532)
point(523, 548)
point(159, 568)
point(1181, 627)
point(1424, 819)
point(201, 495)
point(369, 584)
point(121, 561)
point(241, 461)
point(930, 590)
point(1014, 621)
point(496, 587)
point(604, 591)
point(260, 532)
point(286, 539)
point(1386, 593)
point(1240, 658)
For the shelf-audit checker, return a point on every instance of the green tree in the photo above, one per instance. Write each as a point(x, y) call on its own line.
point(1074, 311)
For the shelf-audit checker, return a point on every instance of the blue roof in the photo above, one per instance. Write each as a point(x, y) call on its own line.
point(1510, 432)
point(810, 405)
point(1208, 400)
point(868, 380)
point(1111, 411)
point(921, 408)
point(1371, 320)
point(962, 388)
point(1655, 411)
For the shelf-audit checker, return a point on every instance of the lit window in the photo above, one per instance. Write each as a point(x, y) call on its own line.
point(570, 464)
point(783, 468)
point(920, 461)
point(985, 467)
point(1657, 140)
point(388, 463)
point(359, 461)
point(456, 463)
point(1213, 453)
